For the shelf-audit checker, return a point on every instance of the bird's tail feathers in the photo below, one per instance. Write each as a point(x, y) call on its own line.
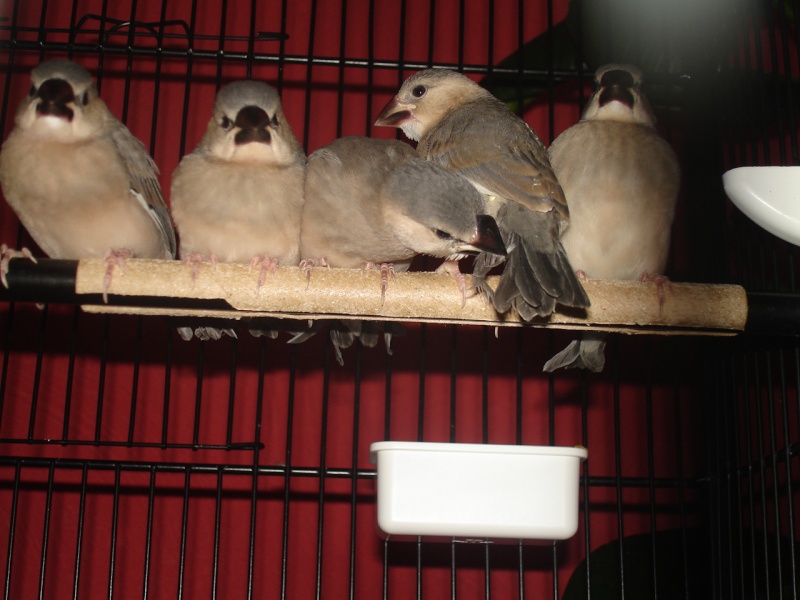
point(584, 353)
point(484, 263)
point(537, 275)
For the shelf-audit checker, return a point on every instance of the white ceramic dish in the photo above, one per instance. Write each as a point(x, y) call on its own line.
point(477, 490)
point(770, 196)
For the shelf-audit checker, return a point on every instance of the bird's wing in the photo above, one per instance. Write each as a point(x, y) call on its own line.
point(496, 151)
point(143, 174)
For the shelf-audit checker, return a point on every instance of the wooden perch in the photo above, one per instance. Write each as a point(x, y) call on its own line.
point(628, 306)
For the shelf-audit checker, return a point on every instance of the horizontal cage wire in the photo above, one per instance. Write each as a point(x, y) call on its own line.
point(136, 464)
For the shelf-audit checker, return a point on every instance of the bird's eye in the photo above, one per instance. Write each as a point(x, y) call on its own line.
point(85, 98)
point(419, 91)
point(32, 91)
point(442, 235)
point(274, 121)
point(226, 123)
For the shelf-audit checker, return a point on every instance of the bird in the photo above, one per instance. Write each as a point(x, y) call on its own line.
point(238, 197)
point(76, 177)
point(622, 180)
point(460, 126)
point(373, 203)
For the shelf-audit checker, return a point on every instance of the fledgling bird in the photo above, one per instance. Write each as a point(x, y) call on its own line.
point(462, 127)
point(238, 197)
point(79, 181)
point(375, 202)
point(372, 202)
point(622, 180)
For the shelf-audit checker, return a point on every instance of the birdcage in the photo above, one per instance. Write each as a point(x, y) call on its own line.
point(136, 464)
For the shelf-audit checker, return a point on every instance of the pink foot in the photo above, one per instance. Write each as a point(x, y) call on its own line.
point(114, 258)
point(309, 263)
point(7, 254)
point(194, 260)
point(267, 265)
point(581, 275)
point(386, 269)
point(662, 286)
point(451, 268)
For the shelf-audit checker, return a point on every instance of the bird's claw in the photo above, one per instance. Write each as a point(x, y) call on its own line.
point(663, 284)
point(194, 261)
point(451, 268)
point(114, 258)
point(386, 270)
point(308, 263)
point(267, 265)
point(6, 255)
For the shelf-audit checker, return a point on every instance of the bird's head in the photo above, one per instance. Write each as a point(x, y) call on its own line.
point(438, 212)
point(425, 98)
point(618, 96)
point(248, 125)
point(62, 103)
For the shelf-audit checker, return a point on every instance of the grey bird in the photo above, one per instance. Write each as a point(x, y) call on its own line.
point(238, 197)
point(375, 202)
point(622, 180)
point(79, 181)
point(462, 127)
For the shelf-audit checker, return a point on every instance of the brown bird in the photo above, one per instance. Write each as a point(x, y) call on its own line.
point(622, 180)
point(80, 182)
point(462, 127)
point(238, 197)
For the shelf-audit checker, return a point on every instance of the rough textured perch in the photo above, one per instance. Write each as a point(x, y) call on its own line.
point(336, 293)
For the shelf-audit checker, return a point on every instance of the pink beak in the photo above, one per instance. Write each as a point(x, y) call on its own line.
point(394, 114)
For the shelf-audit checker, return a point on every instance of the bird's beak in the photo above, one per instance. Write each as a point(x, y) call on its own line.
point(254, 134)
point(54, 97)
point(616, 92)
point(394, 114)
point(487, 236)
point(252, 122)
